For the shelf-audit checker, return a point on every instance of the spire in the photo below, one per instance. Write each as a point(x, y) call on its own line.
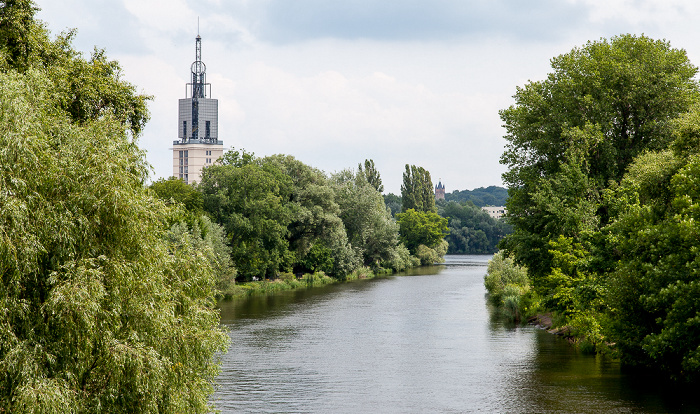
point(199, 70)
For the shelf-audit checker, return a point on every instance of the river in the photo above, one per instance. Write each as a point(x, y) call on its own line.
point(424, 341)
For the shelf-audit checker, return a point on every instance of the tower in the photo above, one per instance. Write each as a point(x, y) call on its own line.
point(440, 191)
point(198, 144)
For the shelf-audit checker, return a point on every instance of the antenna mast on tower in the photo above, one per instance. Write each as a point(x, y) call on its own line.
point(199, 83)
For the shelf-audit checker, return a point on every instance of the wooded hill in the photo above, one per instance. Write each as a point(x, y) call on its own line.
point(482, 196)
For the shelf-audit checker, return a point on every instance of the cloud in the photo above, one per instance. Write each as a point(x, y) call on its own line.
point(335, 82)
point(102, 23)
point(285, 21)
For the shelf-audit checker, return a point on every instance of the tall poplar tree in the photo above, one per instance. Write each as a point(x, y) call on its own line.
point(371, 175)
point(417, 190)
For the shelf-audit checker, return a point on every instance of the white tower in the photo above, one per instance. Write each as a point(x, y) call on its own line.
point(198, 144)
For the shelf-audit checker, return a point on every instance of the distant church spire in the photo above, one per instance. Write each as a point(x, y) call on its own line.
point(440, 191)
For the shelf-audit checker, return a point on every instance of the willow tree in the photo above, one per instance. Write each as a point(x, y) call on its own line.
point(100, 311)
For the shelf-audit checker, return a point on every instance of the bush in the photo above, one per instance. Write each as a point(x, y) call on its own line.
point(428, 256)
point(509, 289)
point(502, 271)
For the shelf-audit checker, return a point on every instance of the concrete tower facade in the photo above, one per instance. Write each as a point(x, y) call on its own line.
point(198, 143)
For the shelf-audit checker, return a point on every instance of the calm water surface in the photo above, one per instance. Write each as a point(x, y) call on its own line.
point(420, 342)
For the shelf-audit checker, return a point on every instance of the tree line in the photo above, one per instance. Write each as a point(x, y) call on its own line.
point(603, 160)
point(480, 197)
point(108, 284)
point(470, 230)
point(278, 215)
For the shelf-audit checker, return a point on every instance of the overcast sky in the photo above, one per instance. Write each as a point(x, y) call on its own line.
point(334, 82)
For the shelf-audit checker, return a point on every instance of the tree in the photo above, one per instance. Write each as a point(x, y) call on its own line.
point(421, 228)
point(317, 235)
point(393, 203)
point(417, 190)
point(654, 289)
point(370, 228)
point(88, 89)
point(371, 175)
point(250, 200)
point(188, 217)
point(175, 190)
point(577, 131)
point(481, 197)
point(100, 311)
point(471, 230)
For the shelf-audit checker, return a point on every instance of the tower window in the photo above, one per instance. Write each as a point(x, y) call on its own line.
point(207, 131)
point(184, 131)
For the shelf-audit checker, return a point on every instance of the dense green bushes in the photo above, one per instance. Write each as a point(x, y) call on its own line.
point(509, 288)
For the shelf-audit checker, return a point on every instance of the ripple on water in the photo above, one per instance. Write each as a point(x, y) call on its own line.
point(422, 343)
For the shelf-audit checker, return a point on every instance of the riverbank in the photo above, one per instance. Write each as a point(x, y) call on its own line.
point(289, 281)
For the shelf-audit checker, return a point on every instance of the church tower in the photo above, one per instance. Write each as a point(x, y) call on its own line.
point(440, 191)
point(198, 144)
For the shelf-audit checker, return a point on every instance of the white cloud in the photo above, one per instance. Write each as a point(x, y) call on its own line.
point(639, 11)
point(416, 82)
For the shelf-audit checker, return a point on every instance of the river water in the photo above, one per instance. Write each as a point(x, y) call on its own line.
point(420, 342)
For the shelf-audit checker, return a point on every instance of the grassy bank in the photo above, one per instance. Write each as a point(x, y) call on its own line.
point(289, 281)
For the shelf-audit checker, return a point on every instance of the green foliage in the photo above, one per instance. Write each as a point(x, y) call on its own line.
point(236, 158)
point(371, 175)
point(471, 230)
point(574, 133)
point(174, 191)
point(655, 289)
point(85, 90)
point(315, 219)
point(281, 215)
point(502, 272)
point(318, 258)
point(209, 239)
point(421, 228)
point(393, 203)
point(249, 200)
point(430, 256)
point(603, 181)
point(100, 311)
point(508, 288)
point(371, 230)
point(401, 259)
point(417, 190)
point(480, 197)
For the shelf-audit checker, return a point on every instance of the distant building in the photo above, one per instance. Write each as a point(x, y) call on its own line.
point(198, 144)
point(495, 212)
point(439, 191)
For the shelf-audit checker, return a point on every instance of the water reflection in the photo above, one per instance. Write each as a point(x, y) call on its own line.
point(410, 344)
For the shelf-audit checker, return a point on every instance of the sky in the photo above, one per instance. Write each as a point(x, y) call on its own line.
point(335, 82)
